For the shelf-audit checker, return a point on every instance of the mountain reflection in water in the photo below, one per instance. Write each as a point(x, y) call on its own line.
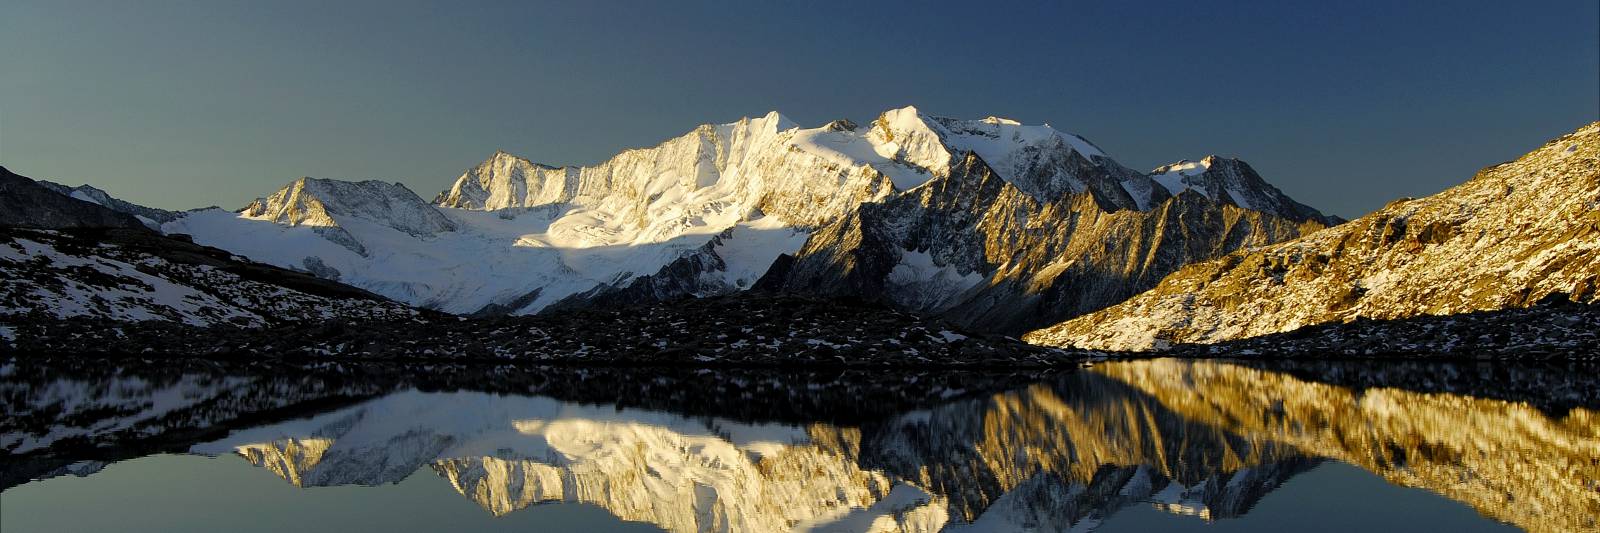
point(748, 450)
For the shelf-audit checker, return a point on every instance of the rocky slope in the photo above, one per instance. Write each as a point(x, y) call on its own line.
point(710, 212)
point(1515, 234)
point(77, 259)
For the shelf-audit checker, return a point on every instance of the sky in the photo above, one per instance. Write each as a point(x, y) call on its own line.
point(1343, 105)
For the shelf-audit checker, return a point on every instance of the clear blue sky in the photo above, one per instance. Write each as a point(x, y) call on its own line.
point(1344, 105)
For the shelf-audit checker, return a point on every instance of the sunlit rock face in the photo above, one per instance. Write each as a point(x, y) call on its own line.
point(1515, 234)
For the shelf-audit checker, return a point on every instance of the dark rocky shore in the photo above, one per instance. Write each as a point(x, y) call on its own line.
point(742, 330)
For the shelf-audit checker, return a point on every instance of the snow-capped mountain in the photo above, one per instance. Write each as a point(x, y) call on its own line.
point(1516, 234)
point(321, 203)
point(1231, 181)
point(710, 212)
point(65, 258)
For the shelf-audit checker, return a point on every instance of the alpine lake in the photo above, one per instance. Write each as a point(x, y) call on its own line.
point(1124, 445)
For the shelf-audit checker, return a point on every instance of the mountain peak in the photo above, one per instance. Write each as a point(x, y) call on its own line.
point(777, 121)
point(319, 202)
point(1039, 160)
point(1232, 181)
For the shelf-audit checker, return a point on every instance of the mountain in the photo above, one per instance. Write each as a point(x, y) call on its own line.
point(62, 258)
point(322, 205)
point(526, 235)
point(1233, 182)
point(26, 203)
point(713, 211)
point(150, 216)
point(1516, 234)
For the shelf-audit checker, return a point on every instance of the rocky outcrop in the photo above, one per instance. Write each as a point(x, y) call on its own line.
point(1515, 234)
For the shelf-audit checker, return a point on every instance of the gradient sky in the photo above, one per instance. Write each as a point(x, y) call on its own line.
point(1343, 105)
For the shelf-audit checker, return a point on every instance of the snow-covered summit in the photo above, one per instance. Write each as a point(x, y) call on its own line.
point(905, 145)
point(1037, 159)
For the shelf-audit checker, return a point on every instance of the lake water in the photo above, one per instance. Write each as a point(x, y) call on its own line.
point(1144, 445)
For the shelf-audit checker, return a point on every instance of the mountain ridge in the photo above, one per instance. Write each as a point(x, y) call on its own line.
point(643, 222)
point(714, 210)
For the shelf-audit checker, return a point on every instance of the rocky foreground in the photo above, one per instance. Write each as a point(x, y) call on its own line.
point(744, 330)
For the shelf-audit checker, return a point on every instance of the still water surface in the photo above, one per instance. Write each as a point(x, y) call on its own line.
point(1149, 445)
